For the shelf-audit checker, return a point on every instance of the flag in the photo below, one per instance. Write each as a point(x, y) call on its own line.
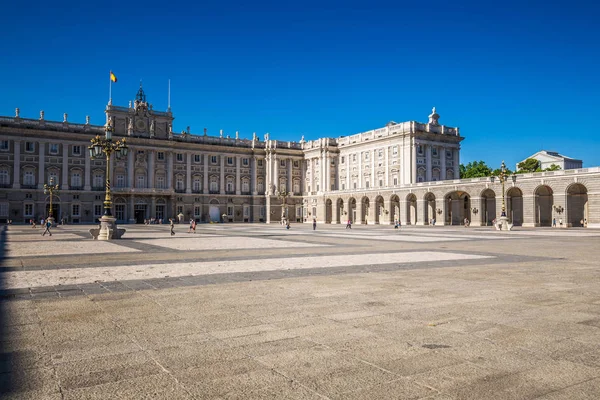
point(113, 77)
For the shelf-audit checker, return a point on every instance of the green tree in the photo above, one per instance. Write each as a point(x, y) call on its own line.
point(497, 171)
point(475, 169)
point(553, 167)
point(529, 165)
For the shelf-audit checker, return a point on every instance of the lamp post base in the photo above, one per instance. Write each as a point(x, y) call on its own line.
point(108, 229)
point(502, 224)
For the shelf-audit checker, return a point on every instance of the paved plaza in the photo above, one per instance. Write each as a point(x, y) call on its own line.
point(254, 311)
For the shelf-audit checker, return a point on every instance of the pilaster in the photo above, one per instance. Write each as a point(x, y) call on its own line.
point(17, 165)
point(65, 166)
point(41, 165)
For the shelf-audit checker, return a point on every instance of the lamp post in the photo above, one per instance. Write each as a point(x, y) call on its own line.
point(106, 146)
point(503, 222)
point(50, 189)
point(283, 195)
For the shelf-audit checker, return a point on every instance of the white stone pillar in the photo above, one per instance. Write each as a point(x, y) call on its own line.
point(386, 162)
point(130, 167)
point(327, 171)
point(290, 187)
point(169, 170)
point(276, 172)
point(222, 176)
point(88, 171)
point(442, 153)
point(205, 174)
point(373, 185)
point(360, 172)
point(65, 167)
point(41, 165)
point(456, 163)
point(238, 161)
point(253, 183)
point(413, 163)
point(428, 163)
point(188, 174)
point(348, 171)
point(151, 169)
point(17, 165)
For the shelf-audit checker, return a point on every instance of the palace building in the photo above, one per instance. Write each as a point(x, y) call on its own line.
point(407, 171)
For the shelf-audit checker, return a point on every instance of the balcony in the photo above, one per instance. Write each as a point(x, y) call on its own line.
point(98, 188)
point(197, 191)
point(179, 190)
point(5, 185)
point(28, 186)
point(75, 187)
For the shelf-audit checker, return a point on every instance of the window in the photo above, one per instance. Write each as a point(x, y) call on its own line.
point(342, 160)
point(197, 158)
point(230, 185)
point(160, 156)
point(260, 163)
point(197, 211)
point(160, 182)
point(76, 150)
point(213, 159)
point(214, 184)
point(245, 186)
point(75, 179)
point(141, 181)
point(229, 160)
point(4, 209)
point(317, 162)
point(449, 154)
point(296, 164)
point(28, 178)
point(380, 153)
point(179, 210)
point(395, 181)
point(99, 180)
point(120, 180)
point(395, 150)
point(230, 211)
point(434, 151)
point(4, 145)
point(343, 186)
point(419, 149)
point(366, 156)
point(53, 149)
point(381, 182)
point(197, 184)
point(4, 180)
point(52, 178)
point(75, 210)
point(179, 157)
point(140, 152)
point(260, 186)
point(28, 212)
point(179, 183)
point(367, 184)
point(75, 197)
point(28, 196)
point(353, 157)
point(245, 162)
point(120, 212)
point(98, 197)
point(282, 163)
point(29, 147)
point(97, 209)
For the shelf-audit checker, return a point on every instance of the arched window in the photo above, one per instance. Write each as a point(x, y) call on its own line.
point(245, 185)
point(197, 184)
point(75, 178)
point(214, 184)
point(4, 176)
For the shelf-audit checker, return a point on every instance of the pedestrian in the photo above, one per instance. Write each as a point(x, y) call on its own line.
point(172, 226)
point(48, 225)
point(42, 221)
point(349, 224)
point(191, 225)
point(287, 225)
point(194, 226)
point(560, 222)
point(554, 222)
point(32, 222)
point(396, 224)
point(314, 223)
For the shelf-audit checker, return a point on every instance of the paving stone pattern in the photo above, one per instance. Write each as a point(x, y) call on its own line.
point(260, 312)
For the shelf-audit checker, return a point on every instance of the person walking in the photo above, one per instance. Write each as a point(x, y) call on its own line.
point(172, 226)
point(349, 224)
point(32, 222)
point(194, 226)
point(48, 225)
point(554, 222)
point(396, 224)
point(314, 224)
point(191, 225)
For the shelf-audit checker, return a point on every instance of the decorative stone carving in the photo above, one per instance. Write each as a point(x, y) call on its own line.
point(65, 117)
point(130, 127)
point(17, 111)
point(237, 135)
point(152, 128)
point(433, 117)
point(42, 115)
point(87, 119)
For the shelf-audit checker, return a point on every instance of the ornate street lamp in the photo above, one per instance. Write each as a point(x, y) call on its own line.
point(106, 146)
point(503, 176)
point(502, 223)
point(283, 195)
point(50, 189)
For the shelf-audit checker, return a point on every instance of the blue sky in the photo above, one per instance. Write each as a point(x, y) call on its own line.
point(515, 77)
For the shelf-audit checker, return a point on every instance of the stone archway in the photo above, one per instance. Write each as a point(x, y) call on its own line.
point(340, 214)
point(458, 207)
point(544, 199)
point(328, 211)
point(364, 203)
point(394, 208)
point(411, 209)
point(577, 205)
point(380, 211)
point(514, 206)
point(487, 212)
point(352, 209)
point(430, 210)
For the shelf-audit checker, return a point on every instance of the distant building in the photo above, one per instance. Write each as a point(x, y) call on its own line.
point(547, 158)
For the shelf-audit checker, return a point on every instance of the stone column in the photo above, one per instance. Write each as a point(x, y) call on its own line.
point(88, 171)
point(153, 210)
point(413, 163)
point(290, 187)
point(130, 168)
point(268, 209)
point(359, 212)
point(422, 212)
point(386, 179)
point(440, 219)
point(348, 171)
point(151, 169)
point(275, 177)
point(169, 171)
point(222, 175)
point(386, 219)
point(188, 173)
point(327, 168)
point(360, 173)
point(373, 177)
point(428, 163)
point(131, 210)
point(442, 153)
point(456, 163)
point(302, 176)
point(205, 174)
point(238, 162)
point(17, 165)
point(476, 220)
point(65, 167)
point(253, 183)
point(41, 165)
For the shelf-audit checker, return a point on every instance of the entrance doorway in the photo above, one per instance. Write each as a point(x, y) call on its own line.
point(140, 213)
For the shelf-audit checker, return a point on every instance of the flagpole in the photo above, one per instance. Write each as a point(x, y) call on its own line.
point(109, 89)
point(169, 99)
